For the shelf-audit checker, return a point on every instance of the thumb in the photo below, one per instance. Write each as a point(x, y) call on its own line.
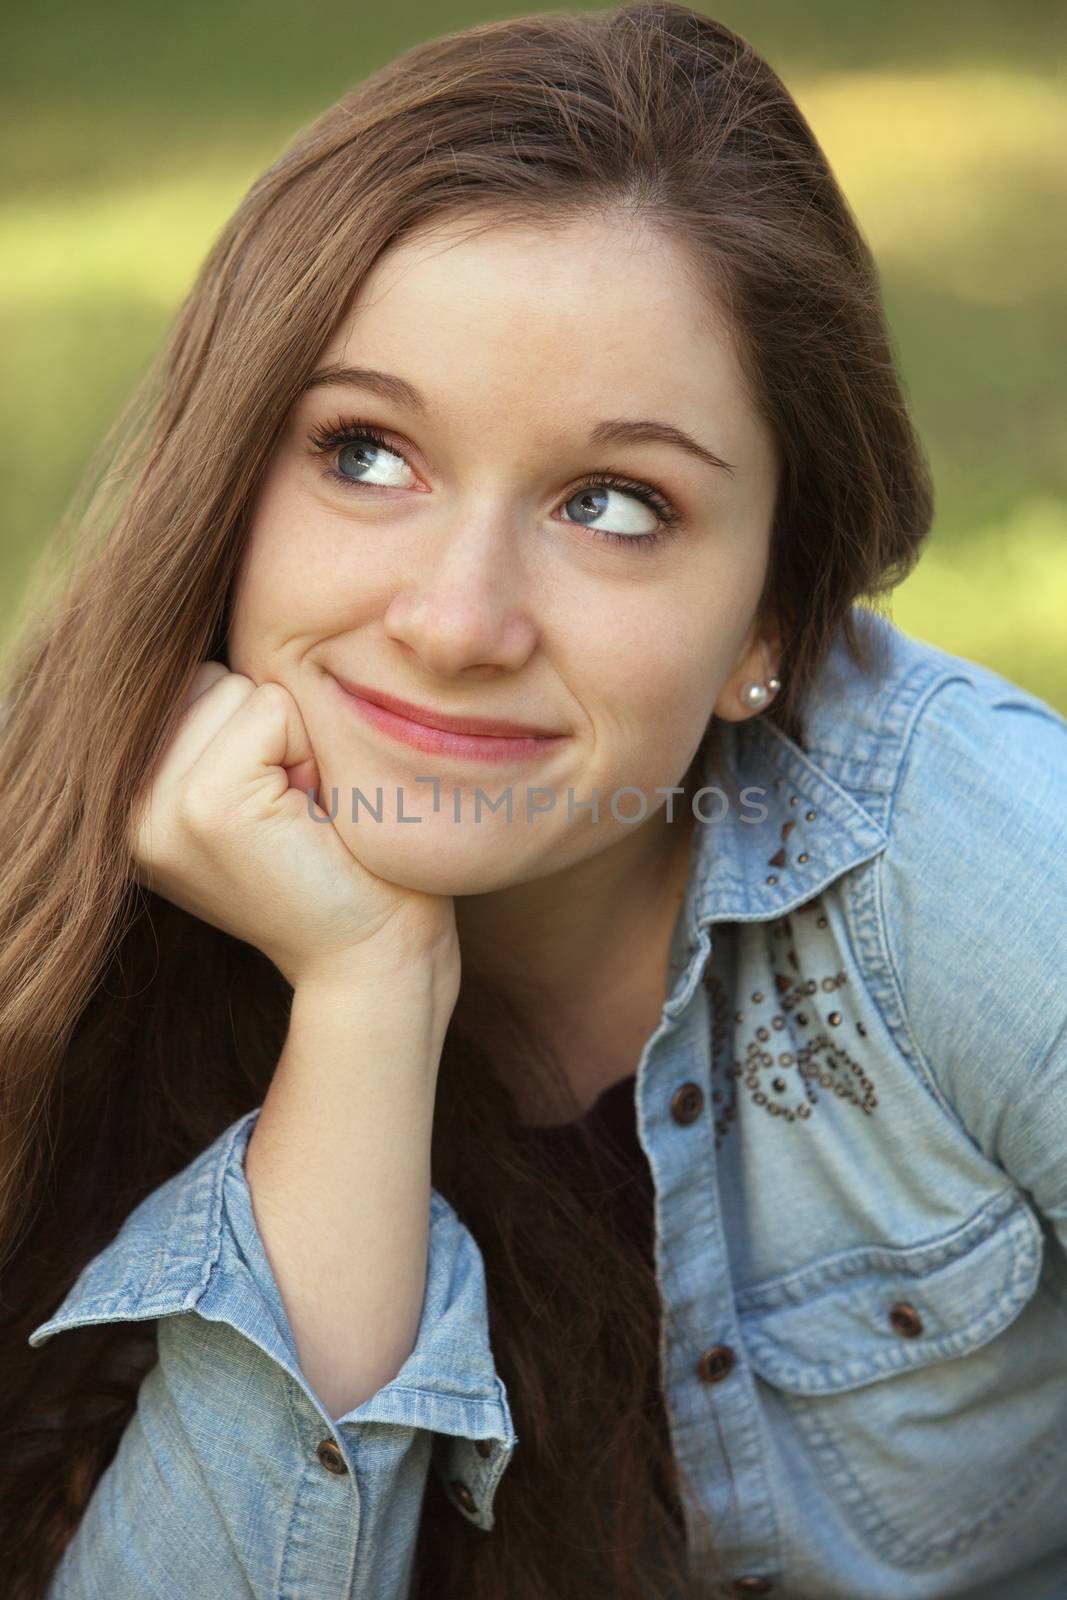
point(304, 775)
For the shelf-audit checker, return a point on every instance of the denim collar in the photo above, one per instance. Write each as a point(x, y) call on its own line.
point(783, 821)
point(783, 832)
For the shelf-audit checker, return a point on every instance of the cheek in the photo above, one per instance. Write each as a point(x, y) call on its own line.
point(655, 672)
point(292, 581)
point(650, 707)
point(257, 613)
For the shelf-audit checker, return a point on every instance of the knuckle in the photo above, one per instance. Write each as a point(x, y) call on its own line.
point(238, 688)
point(198, 804)
point(273, 695)
point(206, 676)
point(242, 682)
point(207, 673)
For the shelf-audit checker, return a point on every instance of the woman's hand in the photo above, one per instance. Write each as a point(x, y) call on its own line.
point(224, 831)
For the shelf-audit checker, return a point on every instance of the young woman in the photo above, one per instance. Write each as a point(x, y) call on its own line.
point(511, 964)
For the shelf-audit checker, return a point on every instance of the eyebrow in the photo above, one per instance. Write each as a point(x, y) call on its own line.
point(616, 430)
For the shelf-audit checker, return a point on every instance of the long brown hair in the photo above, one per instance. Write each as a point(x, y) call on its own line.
point(132, 1034)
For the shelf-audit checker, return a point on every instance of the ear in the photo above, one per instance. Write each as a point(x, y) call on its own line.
point(756, 662)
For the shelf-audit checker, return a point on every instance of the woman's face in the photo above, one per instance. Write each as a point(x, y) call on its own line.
point(471, 564)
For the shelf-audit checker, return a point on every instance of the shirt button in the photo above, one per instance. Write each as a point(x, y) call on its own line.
point(484, 1447)
point(463, 1495)
point(906, 1320)
point(331, 1457)
point(687, 1102)
point(716, 1364)
point(752, 1585)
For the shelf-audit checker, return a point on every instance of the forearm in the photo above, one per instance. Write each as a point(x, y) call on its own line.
point(338, 1169)
point(227, 1426)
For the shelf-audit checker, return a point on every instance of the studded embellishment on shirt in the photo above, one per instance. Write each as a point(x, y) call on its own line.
point(786, 1083)
point(780, 858)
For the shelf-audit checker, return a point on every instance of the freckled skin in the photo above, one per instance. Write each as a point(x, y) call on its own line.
point(465, 573)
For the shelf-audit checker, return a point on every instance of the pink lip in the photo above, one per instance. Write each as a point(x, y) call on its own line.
point(454, 736)
point(438, 719)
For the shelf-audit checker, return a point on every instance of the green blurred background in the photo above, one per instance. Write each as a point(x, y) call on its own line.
point(132, 131)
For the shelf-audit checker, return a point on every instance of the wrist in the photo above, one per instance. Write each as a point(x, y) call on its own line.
point(429, 974)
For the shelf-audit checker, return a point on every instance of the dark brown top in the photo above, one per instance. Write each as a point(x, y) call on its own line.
point(612, 1119)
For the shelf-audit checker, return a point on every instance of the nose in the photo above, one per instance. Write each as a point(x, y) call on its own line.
point(467, 606)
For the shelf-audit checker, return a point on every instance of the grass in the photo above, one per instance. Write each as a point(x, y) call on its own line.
point(132, 132)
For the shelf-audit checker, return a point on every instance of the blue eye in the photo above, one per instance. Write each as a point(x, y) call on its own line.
point(365, 452)
point(362, 445)
point(593, 495)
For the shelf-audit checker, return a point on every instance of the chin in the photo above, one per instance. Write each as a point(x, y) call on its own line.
point(436, 856)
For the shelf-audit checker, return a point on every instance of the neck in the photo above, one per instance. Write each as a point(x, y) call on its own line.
point(584, 933)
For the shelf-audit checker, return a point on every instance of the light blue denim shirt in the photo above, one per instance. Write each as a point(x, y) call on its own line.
point(854, 1107)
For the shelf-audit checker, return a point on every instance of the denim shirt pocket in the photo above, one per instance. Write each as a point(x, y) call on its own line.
point(922, 1382)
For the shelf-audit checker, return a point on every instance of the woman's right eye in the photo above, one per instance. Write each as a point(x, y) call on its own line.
point(358, 458)
point(361, 450)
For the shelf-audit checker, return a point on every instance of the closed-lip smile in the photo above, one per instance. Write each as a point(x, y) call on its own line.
point(485, 727)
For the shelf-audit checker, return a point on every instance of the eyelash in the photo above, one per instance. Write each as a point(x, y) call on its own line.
point(327, 440)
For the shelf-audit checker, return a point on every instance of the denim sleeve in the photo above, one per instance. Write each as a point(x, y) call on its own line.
point(974, 917)
point(230, 1478)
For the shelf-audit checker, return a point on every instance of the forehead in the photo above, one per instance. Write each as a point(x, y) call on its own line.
point(584, 311)
point(548, 265)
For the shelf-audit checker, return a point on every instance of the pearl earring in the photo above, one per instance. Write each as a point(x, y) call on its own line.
point(755, 695)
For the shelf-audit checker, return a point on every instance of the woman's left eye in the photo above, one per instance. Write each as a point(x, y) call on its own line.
point(361, 448)
point(641, 522)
